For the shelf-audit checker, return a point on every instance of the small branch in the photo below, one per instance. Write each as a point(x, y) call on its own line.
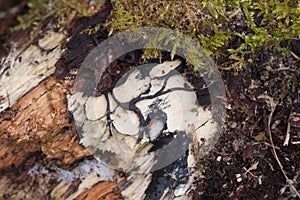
point(269, 145)
point(296, 142)
point(275, 153)
point(288, 135)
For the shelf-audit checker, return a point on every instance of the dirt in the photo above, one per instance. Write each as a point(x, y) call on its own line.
point(241, 166)
point(245, 140)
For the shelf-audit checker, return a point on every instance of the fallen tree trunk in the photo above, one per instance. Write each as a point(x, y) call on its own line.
point(40, 157)
point(150, 148)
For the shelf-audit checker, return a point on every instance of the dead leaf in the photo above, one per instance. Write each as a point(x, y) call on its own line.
point(248, 153)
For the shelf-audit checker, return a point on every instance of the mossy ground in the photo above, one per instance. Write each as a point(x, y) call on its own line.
point(233, 29)
point(59, 13)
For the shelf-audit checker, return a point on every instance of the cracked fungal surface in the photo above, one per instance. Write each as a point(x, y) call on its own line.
point(148, 104)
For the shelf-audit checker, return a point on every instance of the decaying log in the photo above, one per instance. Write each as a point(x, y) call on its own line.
point(40, 156)
point(42, 120)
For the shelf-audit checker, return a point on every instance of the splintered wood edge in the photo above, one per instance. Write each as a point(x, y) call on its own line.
point(38, 121)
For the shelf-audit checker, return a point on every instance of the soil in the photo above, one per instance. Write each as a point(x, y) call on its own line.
point(264, 95)
point(245, 140)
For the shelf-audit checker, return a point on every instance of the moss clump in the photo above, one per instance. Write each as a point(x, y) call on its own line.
point(235, 28)
point(60, 11)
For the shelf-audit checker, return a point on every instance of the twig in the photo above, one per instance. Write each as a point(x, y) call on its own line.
point(288, 135)
point(269, 145)
point(275, 153)
point(294, 55)
point(296, 142)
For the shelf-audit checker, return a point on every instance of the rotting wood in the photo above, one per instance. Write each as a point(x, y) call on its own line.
point(36, 129)
point(102, 190)
point(36, 119)
point(20, 72)
point(39, 122)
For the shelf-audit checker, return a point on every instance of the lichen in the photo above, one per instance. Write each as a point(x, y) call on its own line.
point(214, 24)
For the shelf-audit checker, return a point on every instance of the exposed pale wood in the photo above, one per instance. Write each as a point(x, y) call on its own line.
point(21, 71)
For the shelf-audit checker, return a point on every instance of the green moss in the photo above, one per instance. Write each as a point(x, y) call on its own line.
point(249, 114)
point(202, 169)
point(91, 30)
point(61, 12)
point(211, 23)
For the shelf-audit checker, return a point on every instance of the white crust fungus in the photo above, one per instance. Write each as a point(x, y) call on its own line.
point(144, 103)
